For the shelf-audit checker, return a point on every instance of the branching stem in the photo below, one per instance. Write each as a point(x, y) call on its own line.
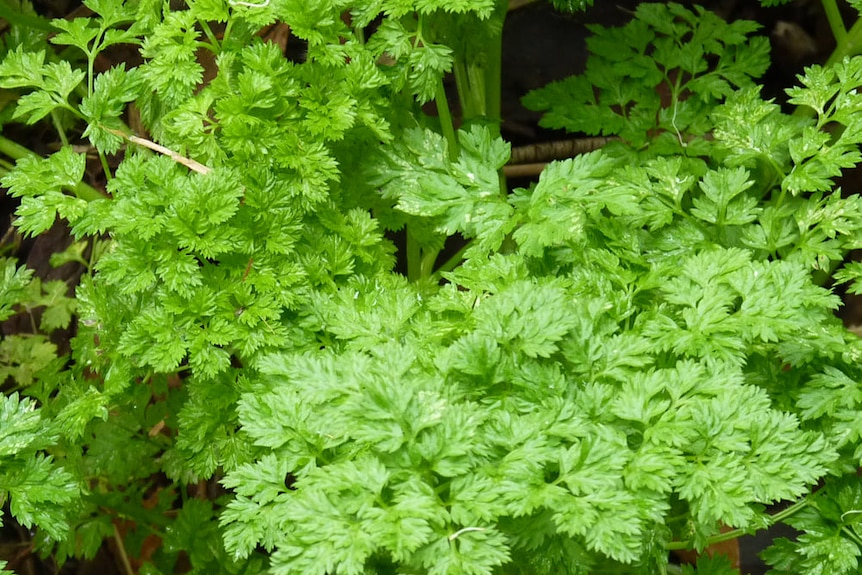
point(836, 23)
point(214, 45)
point(734, 533)
point(852, 44)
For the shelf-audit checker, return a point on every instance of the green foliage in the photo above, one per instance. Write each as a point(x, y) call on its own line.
point(665, 70)
point(35, 486)
point(14, 286)
point(830, 542)
point(54, 81)
point(621, 358)
point(715, 565)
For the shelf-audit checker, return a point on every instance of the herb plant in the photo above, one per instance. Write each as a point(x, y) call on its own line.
point(574, 377)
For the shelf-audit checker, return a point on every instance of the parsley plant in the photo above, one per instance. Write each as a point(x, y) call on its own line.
point(631, 353)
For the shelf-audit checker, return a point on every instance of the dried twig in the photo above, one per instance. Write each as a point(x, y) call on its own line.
point(187, 162)
point(515, 4)
point(523, 170)
point(547, 151)
point(529, 161)
point(263, 4)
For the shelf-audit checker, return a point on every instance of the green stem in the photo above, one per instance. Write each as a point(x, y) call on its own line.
point(474, 99)
point(789, 511)
point(414, 258)
point(216, 47)
point(55, 119)
point(91, 261)
point(105, 167)
point(227, 30)
point(848, 43)
point(851, 46)
point(734, 533)
point(494, 68)
point(75, 112)
point(91, 61)
point(453, 261)
point(426, 265)
point(460, 71)
point(446, 123)
point(15, 150)
point(849, 534)
point(479, 79)
point(493, 82)
point(835, 21)
point(420, 262)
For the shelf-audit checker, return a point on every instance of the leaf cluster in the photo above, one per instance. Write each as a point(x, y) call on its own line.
point(662, 72)
point(587, 383)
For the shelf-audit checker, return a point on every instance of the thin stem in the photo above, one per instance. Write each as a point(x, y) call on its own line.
point(453, 261)
point(493, 83)
point(446, 120)
point(121, 551)
point(227, 30)
point(414, 257)
point(15, 150)
point(87, 192)
point(74, 110)
point(55, 119)
point(677, 89)
point(215, 46)
point(94, 244)
point(476, 106)
point(835, 21)
point(789, 511)
point(426, 265)
point(105, 167)
point(461, 83)
point(494, 68)
point(851, 45)
point(849, 534)
point(91, 61)
point(734, 533)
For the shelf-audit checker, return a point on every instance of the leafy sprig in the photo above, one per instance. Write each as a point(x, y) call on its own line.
point(662, 72)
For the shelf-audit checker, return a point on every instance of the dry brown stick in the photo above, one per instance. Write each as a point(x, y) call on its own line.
point(547, 151)
point(515, 4)
point(187, 162)
point(523, 170)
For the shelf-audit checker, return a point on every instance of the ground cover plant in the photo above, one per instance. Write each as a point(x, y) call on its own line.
point(635, 354)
